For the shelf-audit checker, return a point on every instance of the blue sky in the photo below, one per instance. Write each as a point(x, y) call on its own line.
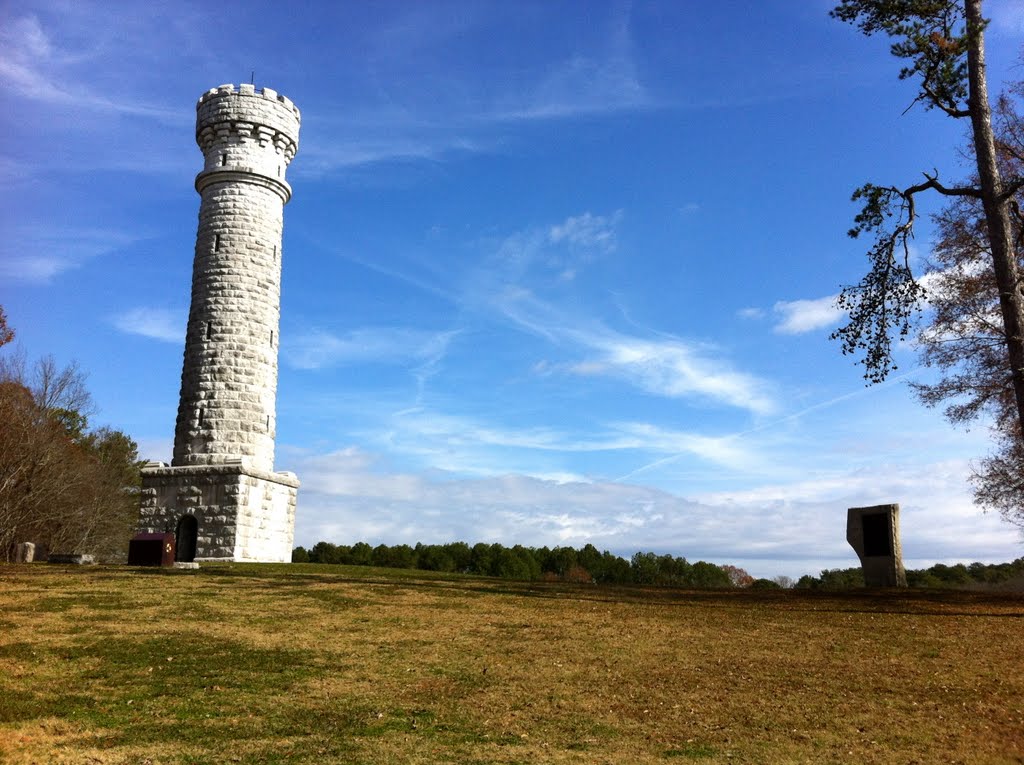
point(554, 273)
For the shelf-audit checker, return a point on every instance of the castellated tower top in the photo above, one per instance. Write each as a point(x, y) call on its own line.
point(242, 130)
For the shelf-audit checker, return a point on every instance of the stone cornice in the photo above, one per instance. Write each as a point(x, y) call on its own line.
point(175, 471)
point(243, 175)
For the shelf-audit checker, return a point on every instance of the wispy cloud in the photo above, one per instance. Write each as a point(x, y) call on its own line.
point(577, 87)
point(323, 154)
point(317, 349)
point(610, 437)
point(417, 102)
point(672, 368)
point(587, 230)
point(796, 317)
point(725, 451)
point(157, 323)
point(662, 365)
point(466, 445)
point(585, 83)
point(39, 254)
point(430, 104)
point(32, 65)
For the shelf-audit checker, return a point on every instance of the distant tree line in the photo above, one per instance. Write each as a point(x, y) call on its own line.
point(940, 575)
point(589, 565)
point(569, 564)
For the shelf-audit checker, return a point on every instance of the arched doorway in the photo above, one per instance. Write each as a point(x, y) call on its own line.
point(185, 539)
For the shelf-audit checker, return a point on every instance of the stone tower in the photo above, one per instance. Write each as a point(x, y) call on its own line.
point(220, 494)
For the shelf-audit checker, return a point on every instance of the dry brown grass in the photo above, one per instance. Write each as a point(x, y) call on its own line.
point(304, 664)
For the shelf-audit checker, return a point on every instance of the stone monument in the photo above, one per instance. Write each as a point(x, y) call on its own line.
point(874, 533)
point(24, 552)
point(220, 495)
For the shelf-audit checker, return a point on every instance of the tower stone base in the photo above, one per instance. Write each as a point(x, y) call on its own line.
point(229, 512)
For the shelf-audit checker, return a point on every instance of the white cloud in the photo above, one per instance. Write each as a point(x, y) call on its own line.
point(40, 253)
point(671, 368)
point(750, 313)
point(348, 495)
point(664, 365)
point(33, 268)
point(725, 451)
point(587, 230)
point(799, 316)
point(323, 154)
point(425, 108)
point(31, 65)
point(421, 431)
point(157, 323)
point(317, 349)
point(606, 81)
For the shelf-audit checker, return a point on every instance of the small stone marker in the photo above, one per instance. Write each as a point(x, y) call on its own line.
point(75, 559)
point(24, 552)
point(874, 534)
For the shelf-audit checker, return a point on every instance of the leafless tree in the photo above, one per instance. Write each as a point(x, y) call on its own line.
point(61, 486)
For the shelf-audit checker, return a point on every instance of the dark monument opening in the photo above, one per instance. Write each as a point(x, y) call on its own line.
point(877, 534)
point(188, 531)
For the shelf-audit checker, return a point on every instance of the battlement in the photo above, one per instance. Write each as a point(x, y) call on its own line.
point(232, 119)
point(246, 89)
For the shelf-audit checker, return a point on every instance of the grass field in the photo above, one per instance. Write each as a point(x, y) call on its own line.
point(313, 664)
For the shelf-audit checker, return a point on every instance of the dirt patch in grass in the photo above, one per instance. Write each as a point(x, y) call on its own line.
point(304, 664)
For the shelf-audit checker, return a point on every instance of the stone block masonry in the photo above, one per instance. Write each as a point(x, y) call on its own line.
point(229, 378)
point(241, 514)
point(220, 494)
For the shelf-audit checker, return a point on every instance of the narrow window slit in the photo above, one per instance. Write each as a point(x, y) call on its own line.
point(223, 159)
point(200, 417)
point(271, 338)
point(209, 329)
point(268, 422)
point(216, 243)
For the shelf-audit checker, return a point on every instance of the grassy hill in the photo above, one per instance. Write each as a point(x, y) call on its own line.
point(314, 664)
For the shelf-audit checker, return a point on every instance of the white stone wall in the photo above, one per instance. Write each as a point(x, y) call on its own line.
point(241, 514)
point(265, 528)
point(229, 377)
